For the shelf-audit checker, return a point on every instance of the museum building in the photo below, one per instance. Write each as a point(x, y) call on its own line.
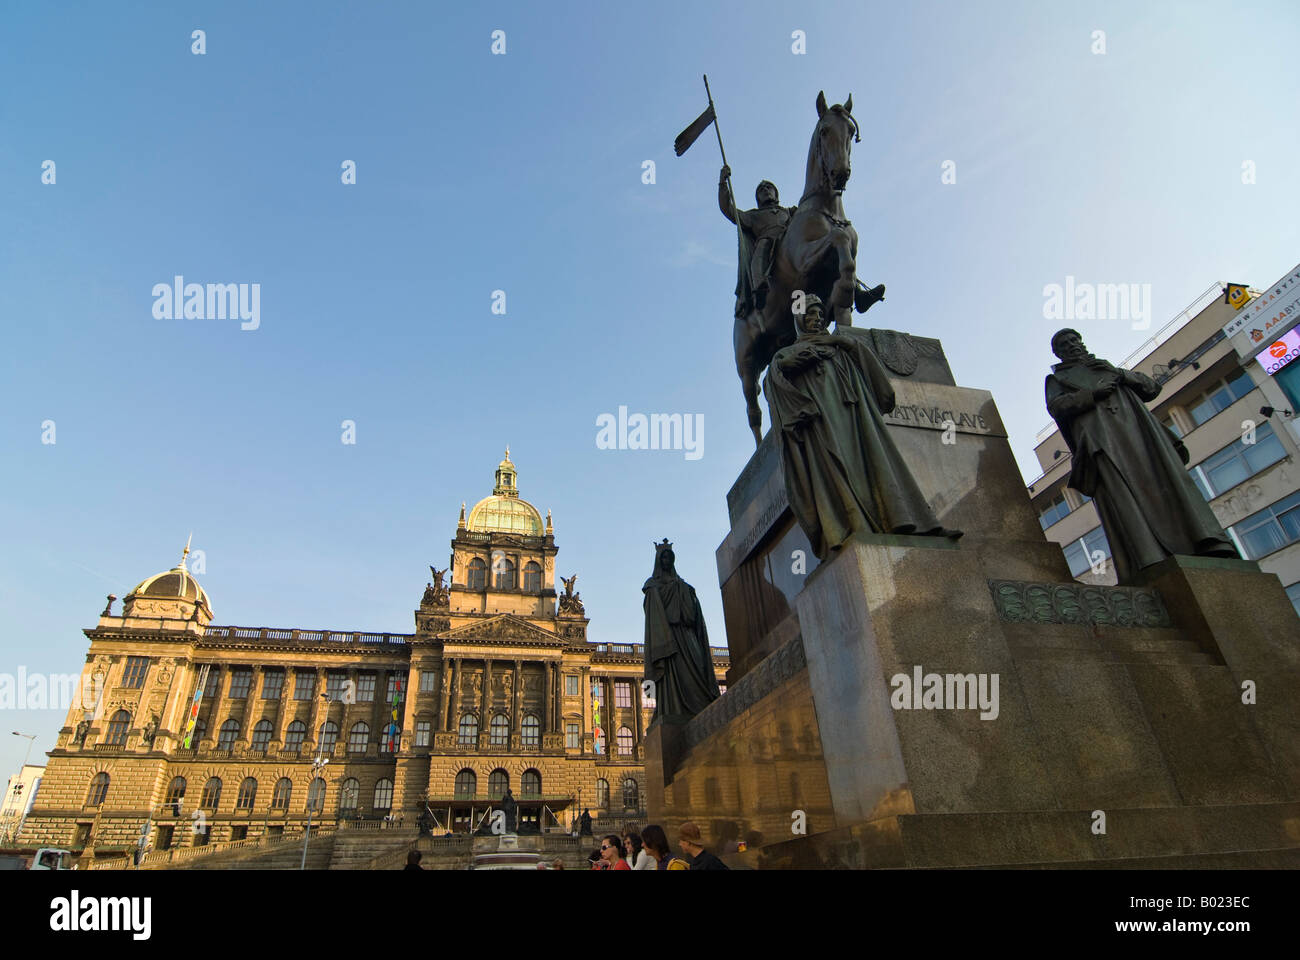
point(193, 733)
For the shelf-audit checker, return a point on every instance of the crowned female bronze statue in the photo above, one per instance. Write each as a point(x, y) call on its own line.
point(678, 660)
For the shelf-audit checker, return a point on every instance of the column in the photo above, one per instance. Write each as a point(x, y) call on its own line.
point(548, 701)
point(451, 678)
point(516, 721)
point(484, 721)
point(584, 689)
point(636, 719)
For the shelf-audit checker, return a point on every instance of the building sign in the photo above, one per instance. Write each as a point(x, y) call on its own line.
point(1274, 310)
point(1280, 353)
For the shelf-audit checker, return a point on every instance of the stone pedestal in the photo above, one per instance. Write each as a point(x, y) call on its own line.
point(1055, 723)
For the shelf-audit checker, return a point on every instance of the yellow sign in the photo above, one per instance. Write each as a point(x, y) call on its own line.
point(1237, 295)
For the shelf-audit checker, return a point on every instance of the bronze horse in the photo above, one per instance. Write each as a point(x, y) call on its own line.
point(816, 256)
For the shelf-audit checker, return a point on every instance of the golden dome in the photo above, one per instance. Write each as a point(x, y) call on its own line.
point(504, 511)
point(174, 584)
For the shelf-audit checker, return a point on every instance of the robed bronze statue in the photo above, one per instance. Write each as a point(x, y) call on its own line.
point(678, 660)
point(828, 393)
point(1130, 464)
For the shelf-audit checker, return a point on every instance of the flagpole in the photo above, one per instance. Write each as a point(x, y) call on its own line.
point(731, 195)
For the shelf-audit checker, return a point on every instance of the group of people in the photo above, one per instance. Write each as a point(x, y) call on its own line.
point(649, 850)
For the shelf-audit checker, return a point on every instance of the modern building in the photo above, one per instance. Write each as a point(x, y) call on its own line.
point(20, 793)
point(498, 688)
point(1236, 417)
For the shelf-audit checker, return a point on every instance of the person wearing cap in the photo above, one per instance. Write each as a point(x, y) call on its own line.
point(692, 844)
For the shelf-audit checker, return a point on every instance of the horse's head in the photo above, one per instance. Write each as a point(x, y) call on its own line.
point(833, 140)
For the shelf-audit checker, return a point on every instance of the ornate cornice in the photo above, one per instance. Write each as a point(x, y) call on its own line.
point(1024, 601)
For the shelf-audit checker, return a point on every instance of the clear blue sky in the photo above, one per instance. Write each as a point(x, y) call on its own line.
point(523, 173)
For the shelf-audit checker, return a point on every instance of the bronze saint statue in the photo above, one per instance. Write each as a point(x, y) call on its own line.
point(678, 660)
point(1128, 462)
point(843, 473)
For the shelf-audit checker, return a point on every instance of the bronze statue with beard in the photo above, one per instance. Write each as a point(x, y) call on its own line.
point(677, 656)
point(1128, 462)
point(828, 393)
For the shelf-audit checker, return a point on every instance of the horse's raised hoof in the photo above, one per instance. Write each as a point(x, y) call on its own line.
point(865, 299)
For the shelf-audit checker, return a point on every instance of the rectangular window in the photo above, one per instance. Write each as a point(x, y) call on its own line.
point(213, 686)
point(1238, 462)
point(622, 693)
point(1053, 510)
point(365, 687)
point(240, 681)
point(572, 738)
point(304, 684)
point(136, 668)
point(428, 681)
point(272, 684)
point(422, 733)
point(1272, 528)
point(334, 684)
point(598, 692)
point(1220, 397)
point(1172, 426)
point(571, 688)
point(394, 680)
point(1078, 553)
point(1293, 592)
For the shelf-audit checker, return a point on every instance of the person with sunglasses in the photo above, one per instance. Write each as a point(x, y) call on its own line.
point(612, 852)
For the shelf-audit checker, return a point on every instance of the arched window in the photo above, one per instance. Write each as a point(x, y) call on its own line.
point(329, 735)
point(476, 576)
point(532, 731)
point(532, 577)
point(505, 573)
point(498, 784)
point(602, 794)
point(468, 730)
point(530, 784)
point(261, 736)
point(349, 796)
point(466, 784)
point(98, 790)
point(229, 732)
point(117, 729)
point(316, 795)
point(175, 794)
point(631, 795)
point(294, 735)
point(384, 794)
point(624, 740)
point(211, 794)
point(247, 794)
point(359, 737)
point(390, 739)
point(500, 730)
point(280, 796)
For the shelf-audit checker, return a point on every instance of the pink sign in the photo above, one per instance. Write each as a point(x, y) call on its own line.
point(1280, 352)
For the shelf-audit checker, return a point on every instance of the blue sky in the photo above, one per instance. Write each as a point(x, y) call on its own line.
point(523, 173)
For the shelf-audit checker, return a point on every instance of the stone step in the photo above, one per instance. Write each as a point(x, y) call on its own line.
point(1104, 644)
point(1065, 837)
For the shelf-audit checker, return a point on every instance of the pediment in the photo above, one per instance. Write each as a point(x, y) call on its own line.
point(504, 626)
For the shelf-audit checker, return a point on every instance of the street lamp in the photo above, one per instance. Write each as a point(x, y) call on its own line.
point(317, 765)
point(31, 739)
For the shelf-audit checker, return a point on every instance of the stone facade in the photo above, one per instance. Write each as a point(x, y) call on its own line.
point(498, 677)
